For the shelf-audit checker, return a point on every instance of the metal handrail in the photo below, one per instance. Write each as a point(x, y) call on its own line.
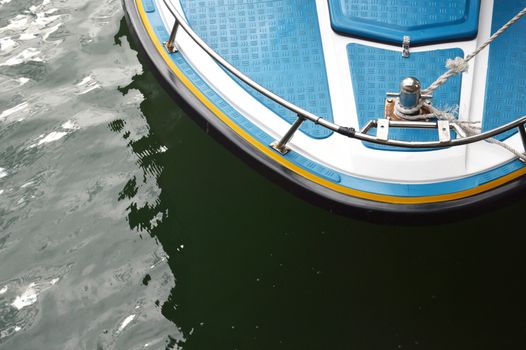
point(518, 123)
point(350, 132)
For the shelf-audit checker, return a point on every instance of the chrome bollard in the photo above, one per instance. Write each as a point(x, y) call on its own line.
point(410, 93)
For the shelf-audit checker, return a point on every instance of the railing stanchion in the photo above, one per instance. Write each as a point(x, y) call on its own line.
point(281, 145)
point(522, 130)
point(170, 44)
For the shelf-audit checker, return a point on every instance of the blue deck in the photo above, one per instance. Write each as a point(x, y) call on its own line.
point(506, 79)
point(389, 21)
point(346, 180)
point(376, 71)
point(277, 43)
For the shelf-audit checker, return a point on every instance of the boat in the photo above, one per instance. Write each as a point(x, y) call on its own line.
point(386, 106)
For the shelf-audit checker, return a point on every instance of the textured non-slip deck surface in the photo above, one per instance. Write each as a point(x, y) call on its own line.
point(277, 43)
point(390, 20)
point(506, 80)
point(310, 165)
point(376, 71)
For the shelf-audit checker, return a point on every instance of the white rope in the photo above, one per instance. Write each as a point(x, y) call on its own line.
point(451, 115)
point(460, 65)
point(521, 156)
point(457, 66)
point(469, 128)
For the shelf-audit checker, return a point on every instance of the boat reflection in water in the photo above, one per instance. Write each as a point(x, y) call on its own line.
point(255, 267)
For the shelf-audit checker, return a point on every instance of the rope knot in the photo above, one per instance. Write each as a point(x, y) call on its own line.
point(458, 65)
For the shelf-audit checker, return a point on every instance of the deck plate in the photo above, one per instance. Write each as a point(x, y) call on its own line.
point(426, 22)
point(376, 71)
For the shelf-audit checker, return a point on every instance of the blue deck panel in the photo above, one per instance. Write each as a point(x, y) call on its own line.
point(149, 7)
point(276, 43)
point(375, 71)
point(389, 21)
point(506, 80)
point(349, 181)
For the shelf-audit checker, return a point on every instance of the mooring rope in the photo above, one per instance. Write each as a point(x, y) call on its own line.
point(460, 65)
point(457, 66)
point(470, 128)
point(520, 155)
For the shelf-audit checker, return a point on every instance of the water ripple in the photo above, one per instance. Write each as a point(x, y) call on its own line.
point(71, 264)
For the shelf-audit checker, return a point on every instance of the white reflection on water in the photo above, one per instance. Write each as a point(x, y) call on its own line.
point(27, 298)
point(30, 295)
point(60, 75)
point(18, 108)
point(126, 322)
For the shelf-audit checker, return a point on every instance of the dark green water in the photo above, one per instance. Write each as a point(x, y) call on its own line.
point(125, 226)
